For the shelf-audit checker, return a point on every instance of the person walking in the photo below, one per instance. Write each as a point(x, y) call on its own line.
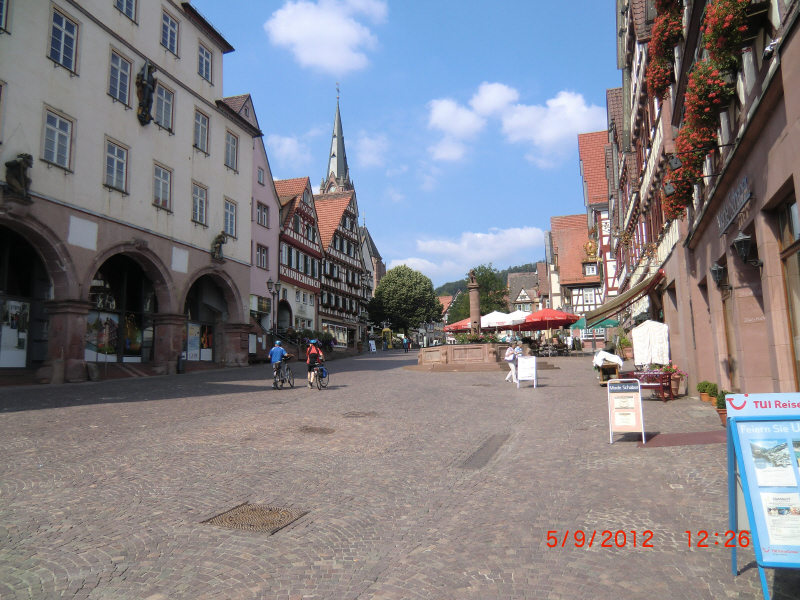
point(314, 358)
point(275, 357)
point(405, 345)
point(511, 359)
point(518, 352)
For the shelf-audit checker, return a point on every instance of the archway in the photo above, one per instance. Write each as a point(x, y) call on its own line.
point(284, 316)
point(206, 308)
point(120, 325)
point(25, 286)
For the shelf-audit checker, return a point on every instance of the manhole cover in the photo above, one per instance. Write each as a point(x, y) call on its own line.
point(359, 415)
point(257, 517)
point(319, 430)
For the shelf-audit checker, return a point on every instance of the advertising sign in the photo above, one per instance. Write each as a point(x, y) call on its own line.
point(625, 407)
point(193, 342)
point(526, 369)
point(372, 347)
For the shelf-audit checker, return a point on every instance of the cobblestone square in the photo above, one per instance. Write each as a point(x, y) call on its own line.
point(105, 488)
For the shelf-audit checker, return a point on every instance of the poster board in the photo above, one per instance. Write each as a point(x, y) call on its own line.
point(764, 474)
point(625, 408)
point(526, 369)
point(372, 348)
point(193, 342)
point(251, 343)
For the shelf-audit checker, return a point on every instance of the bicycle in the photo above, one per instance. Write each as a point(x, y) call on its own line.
point(283, 374)
point(321, 380)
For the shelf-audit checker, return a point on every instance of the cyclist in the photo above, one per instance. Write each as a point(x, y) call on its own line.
point(276, 356)
point(314, 358)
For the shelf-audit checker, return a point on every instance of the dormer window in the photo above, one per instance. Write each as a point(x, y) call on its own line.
point(590, 269)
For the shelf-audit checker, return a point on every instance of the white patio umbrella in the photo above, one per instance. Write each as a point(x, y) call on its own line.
point(499, 320)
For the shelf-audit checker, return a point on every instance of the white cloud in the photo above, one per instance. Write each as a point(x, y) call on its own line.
point(493, 98)
point(395, 171)
point(326, 35)
point(446, 258)
point(448, 149)
point(395, 195)
point(370, 150)
point(288, 151)
point(453, 119)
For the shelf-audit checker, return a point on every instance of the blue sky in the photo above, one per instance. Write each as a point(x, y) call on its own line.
point(460, 117)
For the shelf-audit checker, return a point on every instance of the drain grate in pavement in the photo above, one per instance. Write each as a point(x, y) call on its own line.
point(485, 452)
point(257, 517)
point(318, 430)
point(359, 415)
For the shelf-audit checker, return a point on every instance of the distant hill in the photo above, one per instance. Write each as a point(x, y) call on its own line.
point(449, 289)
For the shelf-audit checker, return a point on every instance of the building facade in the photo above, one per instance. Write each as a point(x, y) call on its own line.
point(300, 256)
point(523, 291)
point(115, 250)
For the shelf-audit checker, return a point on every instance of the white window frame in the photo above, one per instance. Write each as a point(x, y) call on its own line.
point(262, 214)
point(57, 138)
point(4, 15)
point(116, 154)
point(297, 296)
point(260, 175)
point(59, 60)
point(164, 97)
point(201, 130)
point(311, 299)
point(587, 298)
point(124, 62)
point(159, 182)
point(262, 257)
point(204, 62)
point(229, 219)
point(199, 203)
point(231, 150)
point(170, 26)
point(591, 270)
point(127, 5)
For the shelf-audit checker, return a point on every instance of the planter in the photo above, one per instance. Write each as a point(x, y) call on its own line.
point(675, 384)
point(723, 414)
point(705, 397)
point(627, 353)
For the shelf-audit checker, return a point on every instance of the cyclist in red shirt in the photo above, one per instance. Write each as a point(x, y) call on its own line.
point(314, 358)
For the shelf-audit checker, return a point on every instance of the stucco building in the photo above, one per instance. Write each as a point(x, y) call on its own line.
point(107, 256)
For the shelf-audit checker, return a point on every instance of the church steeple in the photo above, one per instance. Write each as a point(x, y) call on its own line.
point(337, 178)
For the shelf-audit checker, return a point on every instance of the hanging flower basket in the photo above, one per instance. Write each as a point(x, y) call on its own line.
point(723, 29)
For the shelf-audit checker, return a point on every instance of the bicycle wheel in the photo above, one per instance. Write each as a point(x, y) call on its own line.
point(289, 376)
point(318, 378)
point(323, 381)
point(278, 381)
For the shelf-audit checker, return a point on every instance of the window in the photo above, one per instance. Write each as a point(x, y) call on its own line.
point(588, 296)
point(204, 63)
point(119, 83)
point(305, 298)
point(296, 223)
point(169, 33)
point(260, 175)
point(63, 40)
point(591, 269)
point(57, 140)
point(201, 131)
point(199, 200)
point(231, 142)
point(126, 7)
point(262, 257)
point(297, 296)
point(116, 166)
point(230, 218)
point(3, 13)
point(311, 299)
point(285, 293)
point(164, 100)
point(162, 187)
point(262, 214)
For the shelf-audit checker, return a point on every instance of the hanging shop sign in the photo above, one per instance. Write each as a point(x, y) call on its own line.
point(625, 408)
point(733, 204)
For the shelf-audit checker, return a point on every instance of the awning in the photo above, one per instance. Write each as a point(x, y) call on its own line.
point(624, 300)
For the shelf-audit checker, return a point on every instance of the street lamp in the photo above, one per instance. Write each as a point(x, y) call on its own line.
point(274, 292)
point(742, 244)
point(717, 272)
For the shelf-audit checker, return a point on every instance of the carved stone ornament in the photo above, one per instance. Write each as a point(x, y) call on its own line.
point(17, 175)
point(216, 246)
point(145, 91)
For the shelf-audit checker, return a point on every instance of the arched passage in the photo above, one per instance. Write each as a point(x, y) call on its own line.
point(284, 315)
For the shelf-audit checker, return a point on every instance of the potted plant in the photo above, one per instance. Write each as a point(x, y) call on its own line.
point(722, 410)
point(676, 375)
point(713, 390)
point(626, 347)
point(702, 389)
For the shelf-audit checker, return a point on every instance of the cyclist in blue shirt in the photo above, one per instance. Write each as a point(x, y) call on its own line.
point(276, 356)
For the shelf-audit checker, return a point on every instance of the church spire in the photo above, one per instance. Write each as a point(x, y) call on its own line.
point(338, 173)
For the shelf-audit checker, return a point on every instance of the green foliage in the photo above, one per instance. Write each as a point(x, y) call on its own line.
point(721, 398)
point(712, 390)
point(404, 298)
point(451, 287)
point(702, 387)
point(624, 342)
point(492, 294)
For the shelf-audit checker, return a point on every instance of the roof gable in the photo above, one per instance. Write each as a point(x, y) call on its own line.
point(330, 209)
point(592, 151)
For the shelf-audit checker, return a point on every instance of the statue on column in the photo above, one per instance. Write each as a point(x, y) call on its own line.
point(17, 175)
point(145, 91)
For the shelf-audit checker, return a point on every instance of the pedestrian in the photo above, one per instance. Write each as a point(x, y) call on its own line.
point(275, 357)
point(314, 357)
point(405, 345)
point(511, 359)
point(518, 352)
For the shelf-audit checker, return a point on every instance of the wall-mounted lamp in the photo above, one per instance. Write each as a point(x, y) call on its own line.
point(674, 163)
point(669, 189)
point(717, 273)
point(742, 244)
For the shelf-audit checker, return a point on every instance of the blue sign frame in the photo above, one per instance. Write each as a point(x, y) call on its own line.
point(790, 554)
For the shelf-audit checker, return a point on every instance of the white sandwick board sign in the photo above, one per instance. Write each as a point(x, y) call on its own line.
point(372, 347)
point(526, 369)
point(624, 408)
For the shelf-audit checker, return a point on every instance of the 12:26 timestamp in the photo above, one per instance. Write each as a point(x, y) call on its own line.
point(730, 538)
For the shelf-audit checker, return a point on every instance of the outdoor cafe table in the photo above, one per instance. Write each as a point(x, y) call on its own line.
point(653, 380)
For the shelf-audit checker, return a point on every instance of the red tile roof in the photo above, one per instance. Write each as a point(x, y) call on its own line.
point(543, 279)
point(614, 108)
point(330, 208)
point(446, 301)
point(570, 234)
point(236, 102)
point(643, 28)
point(292, 187)
point(592, 150)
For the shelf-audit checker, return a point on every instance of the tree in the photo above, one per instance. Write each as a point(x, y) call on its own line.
point(404, 297)
point(492, 295)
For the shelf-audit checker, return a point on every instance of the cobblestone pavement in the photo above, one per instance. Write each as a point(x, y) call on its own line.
point(104, 488)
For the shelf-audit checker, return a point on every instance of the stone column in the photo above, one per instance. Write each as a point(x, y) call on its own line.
point(234, 345)
point(65, 348)
point(168, 343)
point(474, 308)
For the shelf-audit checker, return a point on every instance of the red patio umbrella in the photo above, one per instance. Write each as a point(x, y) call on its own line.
point(547, 318)
point(462, 325)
